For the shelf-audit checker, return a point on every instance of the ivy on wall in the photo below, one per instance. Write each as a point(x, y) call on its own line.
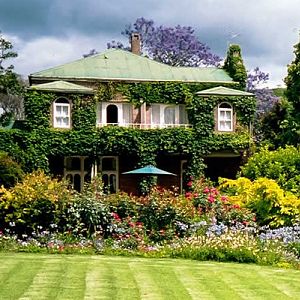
point(39, 141)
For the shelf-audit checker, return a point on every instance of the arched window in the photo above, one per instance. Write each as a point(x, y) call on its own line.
point(61, 113)
point(225, 117)
point(112, 114)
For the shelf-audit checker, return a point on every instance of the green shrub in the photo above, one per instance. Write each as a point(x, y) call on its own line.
point(282, 165)
point(271, 204)
point(33, 203)
point(10, 171)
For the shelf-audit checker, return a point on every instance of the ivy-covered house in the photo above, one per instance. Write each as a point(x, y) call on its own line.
point(116, 111)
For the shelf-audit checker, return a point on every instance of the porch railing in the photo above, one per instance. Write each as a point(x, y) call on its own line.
point(144, 126)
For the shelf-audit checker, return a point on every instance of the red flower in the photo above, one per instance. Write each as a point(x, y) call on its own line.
point(223, 198)
point(115, 216)
point(206, 190)
point(190, 183)
point(236, 206)
point(211, 199)
point(188, 195)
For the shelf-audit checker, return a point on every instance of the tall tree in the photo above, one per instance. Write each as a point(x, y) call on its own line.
point(292, 80)
point(11, 89)
point(175, 46)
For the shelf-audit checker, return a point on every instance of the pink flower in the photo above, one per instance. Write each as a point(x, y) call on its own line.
point(190, 183)
point(224, 198)
point(206, 190)
point(211, 199)
point(188, 195)
point(115, 216)
point(196, 194)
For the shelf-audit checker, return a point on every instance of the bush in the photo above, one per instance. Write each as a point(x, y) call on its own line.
point(271, 204)
point(213, 207)
point(10, 171)
point(282, 165)
point(34, 202)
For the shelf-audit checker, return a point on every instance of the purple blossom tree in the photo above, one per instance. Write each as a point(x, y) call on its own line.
point(175, 46)
point(265, 96)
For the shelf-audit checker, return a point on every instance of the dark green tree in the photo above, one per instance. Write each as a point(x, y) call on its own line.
point(292, 80)
point(234, 65)
point(11, 89)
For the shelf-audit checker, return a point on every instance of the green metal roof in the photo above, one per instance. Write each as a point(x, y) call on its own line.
point(61, 86)
point(223, 91)
point(116, 64)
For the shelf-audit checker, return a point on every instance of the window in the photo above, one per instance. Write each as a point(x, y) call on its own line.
point(225, 117)
point(109, 168)
point(61, 113)
point(114, 113)
point(163, 115)
point(77, 171)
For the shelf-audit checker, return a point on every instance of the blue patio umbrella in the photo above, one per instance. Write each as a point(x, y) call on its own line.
point(149, 170)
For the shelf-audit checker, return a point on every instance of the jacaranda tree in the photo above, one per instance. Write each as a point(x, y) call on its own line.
point(175, 46)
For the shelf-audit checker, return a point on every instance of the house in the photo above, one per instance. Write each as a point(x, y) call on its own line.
point(116, 111)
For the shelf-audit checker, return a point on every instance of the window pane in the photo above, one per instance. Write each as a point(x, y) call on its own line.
point(112, 183)
point(65, 110)
point(127, 113)
point(73, 164)
point(183, 118)
point(109, 164)
point(155, 114)
point(77, 182)
point(169, 114)
point(228, 115)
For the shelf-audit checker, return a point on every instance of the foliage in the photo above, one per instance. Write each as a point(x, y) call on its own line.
point(282, 165)
point(10, 171)
point(280, 127)
point(175, 46)
point(266, 99)
point(87, 214)
point(292, 80)
point(271, 204)
point(234, 65)
point(34, 202)
point(11, 89)
point(215, 208)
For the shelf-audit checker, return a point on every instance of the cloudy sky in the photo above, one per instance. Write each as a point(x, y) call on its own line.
point(48, 33)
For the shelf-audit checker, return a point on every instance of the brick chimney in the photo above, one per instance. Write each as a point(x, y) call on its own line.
point(136, 43)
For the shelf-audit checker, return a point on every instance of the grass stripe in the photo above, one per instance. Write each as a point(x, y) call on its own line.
point(17, 276)
point(287, 281)
point(126, 284)
point(46, 282)
point(72, 284)
point(100, 281)
point(193, 282)
point(35, 276)
point(145, 282)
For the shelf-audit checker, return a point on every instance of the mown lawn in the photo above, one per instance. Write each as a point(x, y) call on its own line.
point(36, 276)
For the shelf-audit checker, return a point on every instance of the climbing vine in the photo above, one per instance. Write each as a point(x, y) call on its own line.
point(39, 141)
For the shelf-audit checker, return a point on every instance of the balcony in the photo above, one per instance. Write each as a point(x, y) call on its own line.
point(144, 126)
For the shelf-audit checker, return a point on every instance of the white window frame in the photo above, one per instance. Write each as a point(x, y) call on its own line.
point(220, 119)
point(98, 169)
point(162, 108)
point(82, 173)
point(57, 104)
point(102, 113)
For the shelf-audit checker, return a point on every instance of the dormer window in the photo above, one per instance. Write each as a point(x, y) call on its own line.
point(61, 113)
point(225, 117)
